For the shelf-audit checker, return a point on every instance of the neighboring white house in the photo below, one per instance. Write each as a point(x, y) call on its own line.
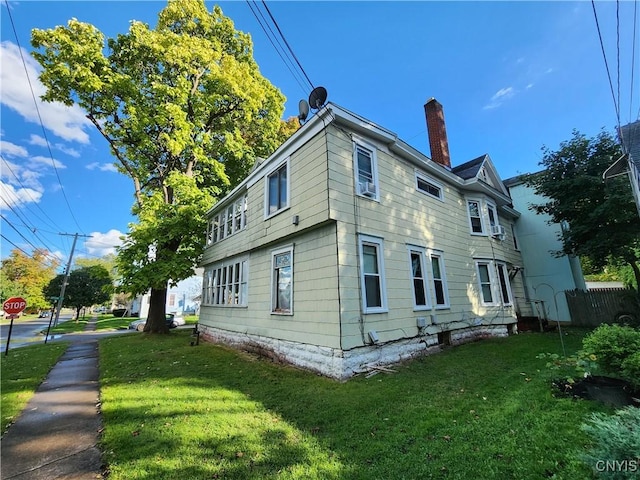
point(348, 248)
point(546, 276)
point(182, 299)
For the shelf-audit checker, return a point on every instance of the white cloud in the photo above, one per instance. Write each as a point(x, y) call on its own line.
point(72, 152)
point(11, 196)
point(101, 244)
point(42, 142)
point(103, 167)
point(48, 161)
point(9, 149)
point(65, 122)
point(499, 97)
point(37, 140)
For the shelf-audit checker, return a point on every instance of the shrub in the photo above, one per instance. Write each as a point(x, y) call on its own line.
point(616, 449)
point(612, 345)
point(631, 369)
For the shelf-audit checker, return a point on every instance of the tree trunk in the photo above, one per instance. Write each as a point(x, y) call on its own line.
point(156, 322)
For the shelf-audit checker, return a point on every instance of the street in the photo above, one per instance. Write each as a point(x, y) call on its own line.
point(25, 331)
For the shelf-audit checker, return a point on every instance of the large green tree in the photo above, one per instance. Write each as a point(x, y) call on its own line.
point(185, 111)
point(87, 286)
point(600, 218)
point(25, 276)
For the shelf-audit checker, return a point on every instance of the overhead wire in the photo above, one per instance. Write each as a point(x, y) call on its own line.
point(287, 44)
point(27, 190)
point(606, 64)
point(33, 95)
point(633, 60)
point(273, 40)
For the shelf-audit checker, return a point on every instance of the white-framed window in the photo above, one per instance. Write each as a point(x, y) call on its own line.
point(366, 171)
point(429, 186)
point(439, 279)
point(282, 281)
point(419, 279)
point(277, 190)
point(226, 283)
point(372, 279)
point(483, 217)
point(475, 216)
point(492, 214)
point(493, 280)
point(230, 221)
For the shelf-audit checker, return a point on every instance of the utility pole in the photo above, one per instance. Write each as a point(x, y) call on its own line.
point(67, 271)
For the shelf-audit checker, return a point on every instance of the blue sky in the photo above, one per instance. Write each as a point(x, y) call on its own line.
point(511, 76)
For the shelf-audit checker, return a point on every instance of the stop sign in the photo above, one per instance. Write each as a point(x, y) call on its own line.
point(14, 305)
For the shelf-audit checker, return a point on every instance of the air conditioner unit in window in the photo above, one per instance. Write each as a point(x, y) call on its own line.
point(367, 188)
point(497, 231)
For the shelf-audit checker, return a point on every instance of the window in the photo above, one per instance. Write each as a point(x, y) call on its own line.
point(515, 239)
point(226, 284)
point(428, 186)
point(484, 276)
point(505, 288)
point(493, 214)
point(282, 281)
point(277, 190)
point(483, 217)
point(419, 280)
point(232, 220)
point(475, 216)
point(372, 275)
point(439, 280)
point(494, 283)
point(366, 172)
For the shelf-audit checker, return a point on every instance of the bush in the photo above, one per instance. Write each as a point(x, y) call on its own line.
point(612, 345)
point(616, 449)
point(118, 312)
point(631, 369)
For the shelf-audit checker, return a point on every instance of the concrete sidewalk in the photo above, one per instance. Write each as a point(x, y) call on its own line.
point(56, 435)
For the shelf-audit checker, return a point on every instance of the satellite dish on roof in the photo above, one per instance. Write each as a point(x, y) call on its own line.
point(317, 98)
point(303, 109)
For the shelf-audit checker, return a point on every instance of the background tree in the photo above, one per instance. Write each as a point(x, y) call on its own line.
point(87, 286)
point(107, 261)
point(185, 111)
point(25, 276)
point(600, 218)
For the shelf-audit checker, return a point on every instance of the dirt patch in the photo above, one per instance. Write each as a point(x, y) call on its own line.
point(610, 391)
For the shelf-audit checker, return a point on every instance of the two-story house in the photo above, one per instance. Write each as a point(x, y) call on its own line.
point(348, 248)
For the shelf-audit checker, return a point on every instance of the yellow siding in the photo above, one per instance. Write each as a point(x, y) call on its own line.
point(315, 318)
point(405, 216)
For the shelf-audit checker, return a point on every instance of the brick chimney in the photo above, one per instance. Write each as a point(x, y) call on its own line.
point(437, 133)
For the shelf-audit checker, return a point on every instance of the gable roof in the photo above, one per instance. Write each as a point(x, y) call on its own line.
point(332, 113)
point(469, 169)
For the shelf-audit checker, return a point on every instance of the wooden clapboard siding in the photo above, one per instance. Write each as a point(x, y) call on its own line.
point(315, 318)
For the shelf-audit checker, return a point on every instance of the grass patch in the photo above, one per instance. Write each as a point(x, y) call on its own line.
point(105, 322)
point(483, 410)
point(23, 370)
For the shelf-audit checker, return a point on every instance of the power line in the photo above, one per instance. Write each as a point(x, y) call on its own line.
point(606, 64)
point(273, 42)
point(274, 39)
point(28, 192)
point(287, 44)
point(33, 95)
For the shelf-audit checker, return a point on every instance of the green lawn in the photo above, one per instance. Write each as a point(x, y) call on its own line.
point(104, 322)
point(483, 410)
point(23, 370)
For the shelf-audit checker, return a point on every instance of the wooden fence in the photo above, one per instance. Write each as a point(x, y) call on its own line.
point(594, 307)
